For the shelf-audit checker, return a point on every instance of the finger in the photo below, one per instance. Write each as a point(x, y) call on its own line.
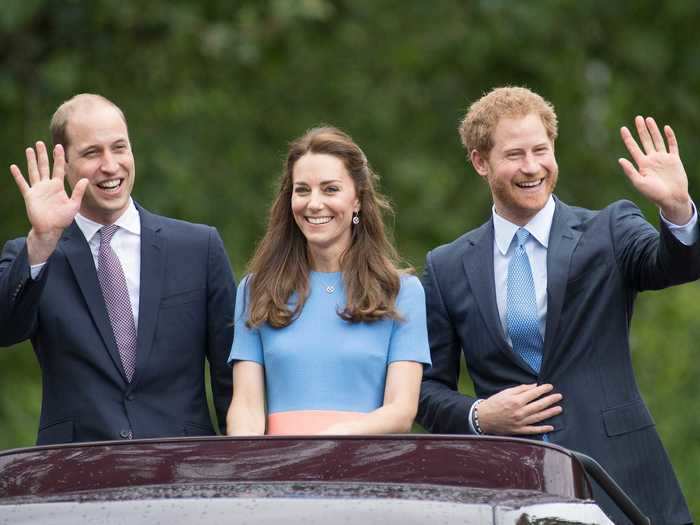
point(521, 388)
point(59, 162)
point(535, 393)
point(541, 416)
point(631, 144)
point(633, 175)
point(42, 158)
point(32, 168)
point(542, 429)
point(542, 403)
point(644, 136)
point(656, 137)
point(672, 142)
point(19, 179)
point(79, 191)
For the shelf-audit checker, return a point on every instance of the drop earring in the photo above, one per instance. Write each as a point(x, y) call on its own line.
point(355, 218)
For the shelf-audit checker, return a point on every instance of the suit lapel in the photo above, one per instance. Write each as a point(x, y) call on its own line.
point(563, 238)
point(478, 265)
point(150, 289)
point(79, 256)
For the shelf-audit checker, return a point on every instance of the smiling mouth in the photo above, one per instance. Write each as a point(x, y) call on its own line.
point(318, 220)
point(530, 184)
point(111, 184)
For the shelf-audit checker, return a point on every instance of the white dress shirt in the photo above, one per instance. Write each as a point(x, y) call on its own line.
point(536, 248)
point(126, 243)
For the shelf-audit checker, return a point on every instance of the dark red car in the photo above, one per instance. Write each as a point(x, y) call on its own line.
point(366, 479)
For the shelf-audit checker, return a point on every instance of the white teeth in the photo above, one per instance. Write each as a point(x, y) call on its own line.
point(110, 184)
point(529, 184)
point(319, 220)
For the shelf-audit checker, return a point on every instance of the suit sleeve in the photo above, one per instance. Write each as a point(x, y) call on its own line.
point(441, 409)
point(19, 294)
point(221, 298)
point(650, 260)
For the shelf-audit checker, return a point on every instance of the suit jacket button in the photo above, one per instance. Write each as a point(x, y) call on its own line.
point(126, 434)
point(130, 397)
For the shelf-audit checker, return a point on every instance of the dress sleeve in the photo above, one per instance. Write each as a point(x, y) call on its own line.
point(247, 344)
point(409, 336)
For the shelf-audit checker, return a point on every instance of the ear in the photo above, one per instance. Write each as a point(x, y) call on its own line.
point(480, 163)
point(356, 206)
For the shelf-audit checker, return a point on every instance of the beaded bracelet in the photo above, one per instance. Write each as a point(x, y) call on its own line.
point(475, 417)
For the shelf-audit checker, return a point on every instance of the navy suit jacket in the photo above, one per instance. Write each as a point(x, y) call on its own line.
point(187, 295)
point(597, 261)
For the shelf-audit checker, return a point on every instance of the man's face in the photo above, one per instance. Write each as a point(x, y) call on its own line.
point(100, 152)
point(520, 169)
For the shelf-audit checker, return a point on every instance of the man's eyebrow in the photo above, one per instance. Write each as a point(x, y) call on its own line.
point(87, 148)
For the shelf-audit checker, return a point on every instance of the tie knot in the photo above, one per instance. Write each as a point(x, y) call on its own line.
point(522, 234)
point(107, 232)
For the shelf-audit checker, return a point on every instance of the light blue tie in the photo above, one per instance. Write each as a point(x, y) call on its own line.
point(521, 306)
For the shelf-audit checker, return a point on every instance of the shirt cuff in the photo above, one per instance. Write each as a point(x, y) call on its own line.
point(686, 233)
point(35, 270)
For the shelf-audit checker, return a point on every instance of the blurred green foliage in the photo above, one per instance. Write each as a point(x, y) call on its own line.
point(214, 90)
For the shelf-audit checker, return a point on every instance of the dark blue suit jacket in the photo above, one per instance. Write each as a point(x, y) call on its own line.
point(597, 261)
point(187, 295)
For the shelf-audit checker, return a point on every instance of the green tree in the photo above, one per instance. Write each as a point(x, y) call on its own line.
point(214, 91)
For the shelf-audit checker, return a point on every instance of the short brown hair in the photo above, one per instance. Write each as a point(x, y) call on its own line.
point(477, 127)
point(59, 121)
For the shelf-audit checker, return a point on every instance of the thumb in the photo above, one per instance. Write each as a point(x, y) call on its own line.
point(633, 175)
point(79, 191)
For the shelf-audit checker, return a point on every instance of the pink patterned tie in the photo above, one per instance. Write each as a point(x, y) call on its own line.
point(116, 294)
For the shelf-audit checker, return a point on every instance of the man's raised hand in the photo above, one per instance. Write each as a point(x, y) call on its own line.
point(659, 174)
point(49, 208)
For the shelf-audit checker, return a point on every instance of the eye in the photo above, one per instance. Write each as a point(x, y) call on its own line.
point(90, 154)
point(119, 148)
point(332, 189)
point(300, 190)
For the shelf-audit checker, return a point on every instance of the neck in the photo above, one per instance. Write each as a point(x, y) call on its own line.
point(324, 261)
point(102, 217)
point(515, 219)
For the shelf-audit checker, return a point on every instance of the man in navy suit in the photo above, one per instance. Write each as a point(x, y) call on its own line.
point(121, 317)
point(540, 297)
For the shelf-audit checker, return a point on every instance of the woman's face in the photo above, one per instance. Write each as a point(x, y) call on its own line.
point(323, 202)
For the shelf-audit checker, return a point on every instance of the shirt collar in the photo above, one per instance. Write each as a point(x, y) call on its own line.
point(539, 227)
point(129, 220)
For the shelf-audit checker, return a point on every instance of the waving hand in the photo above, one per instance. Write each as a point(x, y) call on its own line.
point(49, 208)
point(659, 174)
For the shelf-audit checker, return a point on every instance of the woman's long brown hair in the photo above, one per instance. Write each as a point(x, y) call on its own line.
point(281, 266)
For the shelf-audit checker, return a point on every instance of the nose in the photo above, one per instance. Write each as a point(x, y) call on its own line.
point(315, 201)
point(530, 164)
point(109, 163)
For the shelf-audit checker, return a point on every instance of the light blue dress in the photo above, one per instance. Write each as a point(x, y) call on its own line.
point(321, 362)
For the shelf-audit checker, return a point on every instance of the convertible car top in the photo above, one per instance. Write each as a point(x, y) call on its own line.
point(302, 480)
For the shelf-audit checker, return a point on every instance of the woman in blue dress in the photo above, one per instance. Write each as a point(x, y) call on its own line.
point(330, 335)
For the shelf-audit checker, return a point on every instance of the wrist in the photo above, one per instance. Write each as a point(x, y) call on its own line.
point(48, 236)
point(476, 425)
point(40, 246)
point(678, 212)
